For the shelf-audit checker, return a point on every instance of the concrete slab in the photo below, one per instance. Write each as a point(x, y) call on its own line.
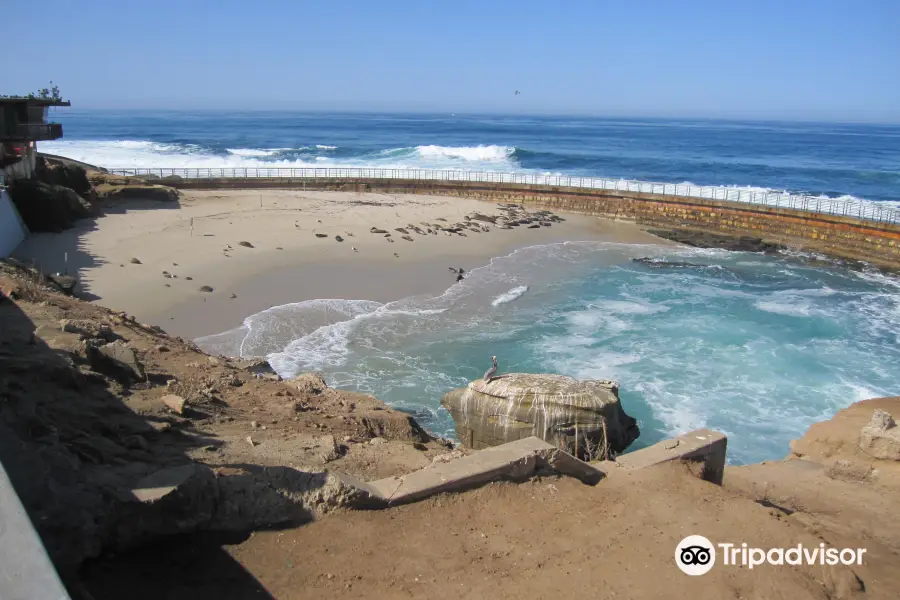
point(26, 572)
point(524, 458)
point(703, 446)
point(516, 460)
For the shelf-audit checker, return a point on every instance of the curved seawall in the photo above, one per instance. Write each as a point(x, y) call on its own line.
point(836, 235)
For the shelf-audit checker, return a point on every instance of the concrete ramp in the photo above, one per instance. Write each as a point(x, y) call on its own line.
point(516, 461)
point(530, 456)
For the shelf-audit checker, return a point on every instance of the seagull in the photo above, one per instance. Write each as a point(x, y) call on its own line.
point(517, 92)
point(489, 374)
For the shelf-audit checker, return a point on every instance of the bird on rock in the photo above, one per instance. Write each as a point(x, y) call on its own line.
point(489, 374)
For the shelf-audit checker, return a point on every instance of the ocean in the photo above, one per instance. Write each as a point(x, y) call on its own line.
point(756, 346)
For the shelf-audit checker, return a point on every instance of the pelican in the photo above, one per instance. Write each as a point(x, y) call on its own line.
point(492, 371)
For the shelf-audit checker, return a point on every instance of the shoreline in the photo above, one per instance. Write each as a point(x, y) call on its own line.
point(200, 238)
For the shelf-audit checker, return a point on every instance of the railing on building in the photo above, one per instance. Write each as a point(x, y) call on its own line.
point(818, 204)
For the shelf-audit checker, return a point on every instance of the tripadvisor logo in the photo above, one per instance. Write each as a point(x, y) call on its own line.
point(696, 555)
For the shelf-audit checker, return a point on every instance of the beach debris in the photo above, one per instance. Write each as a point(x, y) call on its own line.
point(233, 296)
point(318, 220)
point(376, 230)
point(397, 255)
point(254, 424)
point(391, 240)
point(251, 441)
point(400, 229)
point(441, 219)
point(189, 278)
point(279, 248)
point(338, 238)
point(87, 329)
point(205, 288)
point(174, 264)
point(168, 285)
point(174, 403)
point(136, 261)
point(321, 235)
point(245, 244)
point(354, 249)
point(406, 237)
point(452, 269)
point(535, 226)
point(349, 234)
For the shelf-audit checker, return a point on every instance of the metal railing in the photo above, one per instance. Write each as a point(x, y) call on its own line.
point(817, 204)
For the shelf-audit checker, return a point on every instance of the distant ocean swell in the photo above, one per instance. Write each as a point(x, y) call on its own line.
point(755, 346)
point(490, 158)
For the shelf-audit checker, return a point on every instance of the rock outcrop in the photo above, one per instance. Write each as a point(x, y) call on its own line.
point(583, 417)
point(881, 437)
point(705, 239)
point(47, 208)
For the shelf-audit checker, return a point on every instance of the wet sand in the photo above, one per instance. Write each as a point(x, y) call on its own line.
point(199, 238)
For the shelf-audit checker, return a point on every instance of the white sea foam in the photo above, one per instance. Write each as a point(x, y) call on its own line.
point(250, 152)
point(324, 147)
point(469, 153)
point(513, 294)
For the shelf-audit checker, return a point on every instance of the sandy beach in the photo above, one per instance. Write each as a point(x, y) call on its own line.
point(258, 249)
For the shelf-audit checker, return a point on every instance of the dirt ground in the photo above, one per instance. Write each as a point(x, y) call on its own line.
point(548, 538)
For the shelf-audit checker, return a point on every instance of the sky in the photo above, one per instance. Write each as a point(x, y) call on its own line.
point(767, 59)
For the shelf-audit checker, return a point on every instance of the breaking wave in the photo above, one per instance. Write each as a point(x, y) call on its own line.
point(513, 294)
point(758, 347)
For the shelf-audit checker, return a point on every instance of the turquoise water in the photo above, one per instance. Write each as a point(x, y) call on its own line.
point(756, 346)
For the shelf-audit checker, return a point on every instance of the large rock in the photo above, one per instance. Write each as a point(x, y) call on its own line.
point(583, 417)
point(170, 501)
point(47, 208)
point(116, 360)
point(881, 437)
point(55, 172)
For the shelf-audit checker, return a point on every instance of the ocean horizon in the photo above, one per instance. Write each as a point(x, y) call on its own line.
point(756, 346)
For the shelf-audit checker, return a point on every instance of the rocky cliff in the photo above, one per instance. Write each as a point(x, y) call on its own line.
point(114, 433)
point(61, 192)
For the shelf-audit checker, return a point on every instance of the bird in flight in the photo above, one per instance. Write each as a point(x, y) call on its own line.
point(518, 92)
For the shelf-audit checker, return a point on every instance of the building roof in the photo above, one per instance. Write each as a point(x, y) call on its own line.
point(34, 101)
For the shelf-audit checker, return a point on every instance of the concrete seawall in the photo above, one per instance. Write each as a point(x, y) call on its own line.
point(835, 235)
point(12, 229)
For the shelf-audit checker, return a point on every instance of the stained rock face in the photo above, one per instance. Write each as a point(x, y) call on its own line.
point(583, 417)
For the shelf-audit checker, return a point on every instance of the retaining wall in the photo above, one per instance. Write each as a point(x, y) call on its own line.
point(12, 229)
point(840, 236)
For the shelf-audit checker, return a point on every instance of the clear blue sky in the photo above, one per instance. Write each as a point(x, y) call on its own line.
point(811, 59)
